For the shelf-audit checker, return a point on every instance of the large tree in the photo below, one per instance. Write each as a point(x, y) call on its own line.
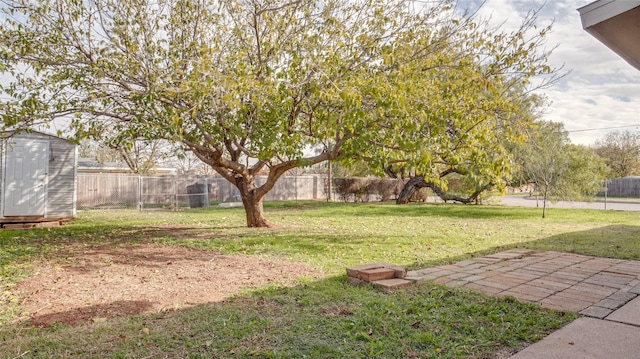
point(621, 151)
point(471, 116)
point(246, 85)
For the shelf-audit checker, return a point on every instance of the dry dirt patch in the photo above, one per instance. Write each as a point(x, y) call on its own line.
point(102, 281)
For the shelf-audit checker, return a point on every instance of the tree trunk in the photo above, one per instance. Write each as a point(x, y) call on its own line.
point(544, 201)
point(410, 188)
point(255, 213)
point(418, 182)
point(253, 207)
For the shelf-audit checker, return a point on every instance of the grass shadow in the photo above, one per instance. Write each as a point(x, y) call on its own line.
point(22, 245)
point(97, 312)
point(322, 319)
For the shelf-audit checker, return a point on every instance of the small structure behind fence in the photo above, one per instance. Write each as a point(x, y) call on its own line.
point(106, 191)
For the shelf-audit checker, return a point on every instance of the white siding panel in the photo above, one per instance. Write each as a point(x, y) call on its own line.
point(62, 175)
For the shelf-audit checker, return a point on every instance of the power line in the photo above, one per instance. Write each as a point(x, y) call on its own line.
point(603, 128)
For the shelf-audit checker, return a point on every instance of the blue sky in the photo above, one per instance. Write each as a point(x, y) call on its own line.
point(602, 90)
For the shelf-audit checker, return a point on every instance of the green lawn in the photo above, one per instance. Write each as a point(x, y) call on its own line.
point(324, 318)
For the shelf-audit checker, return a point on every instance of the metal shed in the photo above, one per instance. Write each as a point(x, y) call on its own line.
point(38, 179)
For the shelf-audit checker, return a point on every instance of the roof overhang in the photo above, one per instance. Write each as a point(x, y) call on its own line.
point(616, 23)
point(11, 132)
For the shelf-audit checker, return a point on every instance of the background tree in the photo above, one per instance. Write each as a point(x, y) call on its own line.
point(140, 156)
point(185, 162)
point(621, 152)
point(585, 175)
point(97, 151)
point(246, 85)
point(559, 169)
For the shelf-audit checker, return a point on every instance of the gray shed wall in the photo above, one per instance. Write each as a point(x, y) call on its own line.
point(62, 182)
point(61, 175)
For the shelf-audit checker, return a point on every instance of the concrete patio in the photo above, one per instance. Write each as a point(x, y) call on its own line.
point(604, 290)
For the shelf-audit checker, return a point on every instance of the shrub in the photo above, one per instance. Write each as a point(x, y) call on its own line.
point(365, 189)
point(385, 188)
point(347, 188)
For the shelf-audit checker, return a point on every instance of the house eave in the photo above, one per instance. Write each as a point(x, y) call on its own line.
point(616, 24)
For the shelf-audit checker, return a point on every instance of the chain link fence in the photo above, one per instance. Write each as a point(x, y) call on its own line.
point(115, 191)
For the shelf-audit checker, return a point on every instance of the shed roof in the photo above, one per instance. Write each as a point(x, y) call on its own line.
point(10, 133)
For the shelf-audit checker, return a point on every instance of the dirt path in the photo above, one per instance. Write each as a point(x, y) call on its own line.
point(102, 281)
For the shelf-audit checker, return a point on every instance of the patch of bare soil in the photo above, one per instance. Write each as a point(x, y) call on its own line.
point(100, 281)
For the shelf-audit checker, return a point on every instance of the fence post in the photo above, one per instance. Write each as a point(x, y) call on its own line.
point(139, 193)
point(175, 193)
point(606, 189)
point(315, 187)
point(206, 192)
point(329, 184)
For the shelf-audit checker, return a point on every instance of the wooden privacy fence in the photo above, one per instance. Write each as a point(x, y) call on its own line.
point(623, 187)
point(97, 190)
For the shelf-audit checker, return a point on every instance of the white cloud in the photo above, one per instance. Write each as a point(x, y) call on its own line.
point(602, 90)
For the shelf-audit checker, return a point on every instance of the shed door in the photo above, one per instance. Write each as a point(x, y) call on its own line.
point(25, 179)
